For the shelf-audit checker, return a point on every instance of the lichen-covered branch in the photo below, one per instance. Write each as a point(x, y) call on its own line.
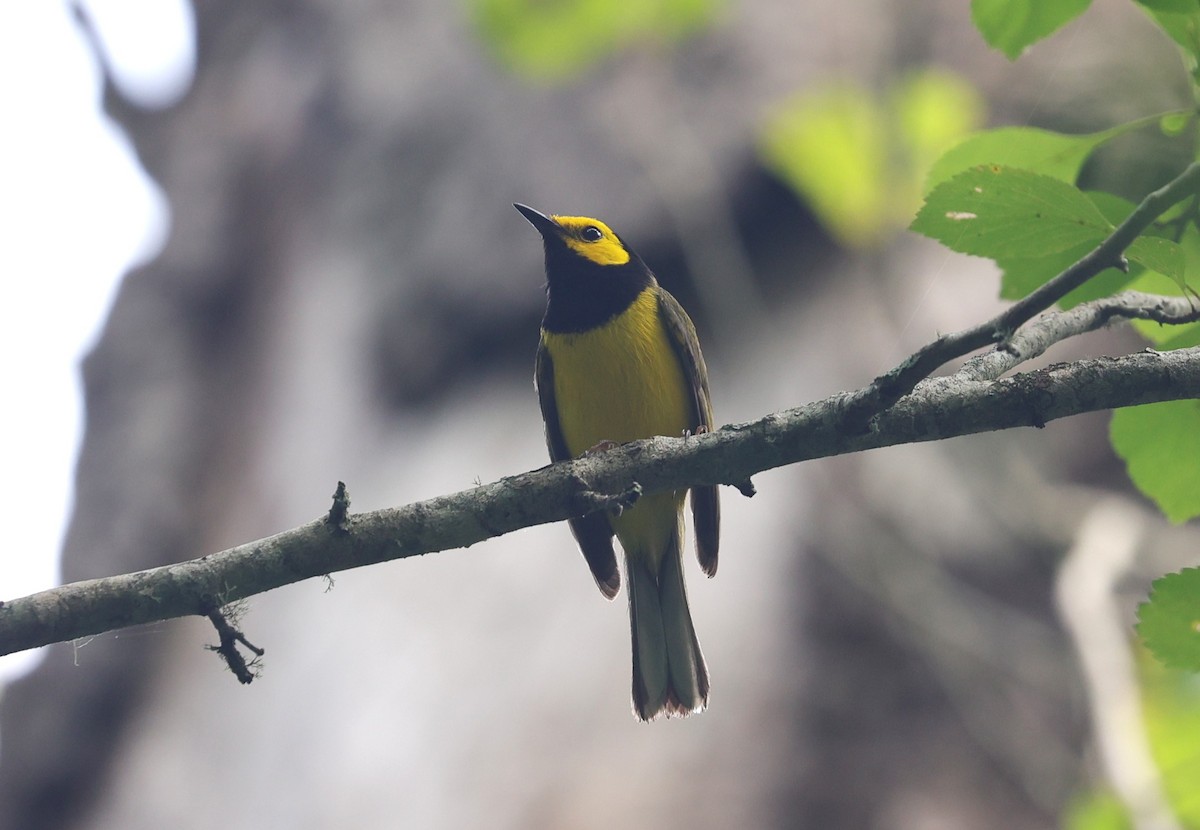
point(1110, 253)
point(1034, 339)
point(937, 408)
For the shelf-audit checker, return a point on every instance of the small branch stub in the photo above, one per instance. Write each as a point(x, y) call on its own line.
point(228, 648)
point(340, 508)
point(746, 488)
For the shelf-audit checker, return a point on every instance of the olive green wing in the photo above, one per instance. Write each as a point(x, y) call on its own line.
point(592, 532)
point(706, 507)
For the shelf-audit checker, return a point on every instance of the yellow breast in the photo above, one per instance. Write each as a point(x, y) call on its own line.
point(620, 382)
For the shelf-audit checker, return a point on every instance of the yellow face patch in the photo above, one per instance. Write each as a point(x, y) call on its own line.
point(592, 239)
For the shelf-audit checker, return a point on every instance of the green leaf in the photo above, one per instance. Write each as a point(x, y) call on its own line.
point(1158, 254)
point(1006, 214)
point(1115, 209)
point(557, 41)
point(1160, 444)
point(1169, 623)
point(1041, 151)
point(1151, 282)
point(1012, 25)
point(1181, 21)
point(1166, 338)
point(1024, 275)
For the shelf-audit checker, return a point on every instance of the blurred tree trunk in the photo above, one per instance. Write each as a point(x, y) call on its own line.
point(171, 385)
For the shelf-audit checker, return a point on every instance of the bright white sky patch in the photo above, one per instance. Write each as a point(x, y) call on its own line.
point(76, 210)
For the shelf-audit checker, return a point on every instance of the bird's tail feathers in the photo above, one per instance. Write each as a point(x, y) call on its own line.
point(669, 674)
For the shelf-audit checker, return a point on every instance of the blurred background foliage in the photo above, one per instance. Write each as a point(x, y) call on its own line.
point(1172, 712)
point(859, 161)
point(557, 41)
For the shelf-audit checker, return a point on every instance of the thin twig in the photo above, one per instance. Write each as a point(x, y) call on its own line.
point(229, 637)
point(1033, 340)
point(888, 388)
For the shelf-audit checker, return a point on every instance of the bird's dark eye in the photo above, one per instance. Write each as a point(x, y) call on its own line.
point(592, 234)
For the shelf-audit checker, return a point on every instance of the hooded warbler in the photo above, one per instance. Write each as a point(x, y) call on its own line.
point(618, 360)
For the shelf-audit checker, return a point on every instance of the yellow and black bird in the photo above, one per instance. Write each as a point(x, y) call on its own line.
point(618, 361)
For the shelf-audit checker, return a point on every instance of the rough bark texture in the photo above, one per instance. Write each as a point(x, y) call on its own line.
point(936, 410)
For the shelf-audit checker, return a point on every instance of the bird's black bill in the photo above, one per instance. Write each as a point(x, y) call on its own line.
point(546, 226)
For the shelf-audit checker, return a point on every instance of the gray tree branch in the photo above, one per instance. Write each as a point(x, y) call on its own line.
point(1110, 253)
point(937, 408)
point(1033, 340)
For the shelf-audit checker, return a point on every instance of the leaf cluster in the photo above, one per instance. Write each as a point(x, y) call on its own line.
point(1012, 195)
